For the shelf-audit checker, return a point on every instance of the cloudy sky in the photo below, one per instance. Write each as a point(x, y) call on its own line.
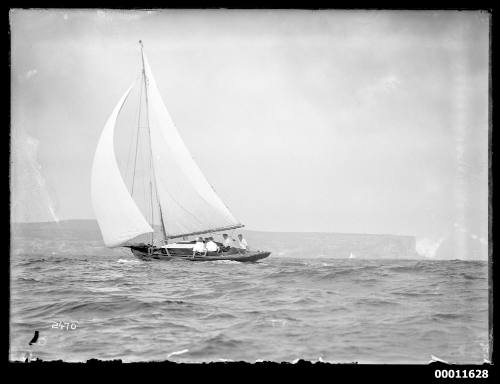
point(344, 121)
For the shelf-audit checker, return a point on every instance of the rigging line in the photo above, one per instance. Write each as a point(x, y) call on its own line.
point(151, 178)
point(190, 182)
point(176, 202)
point(156, 199)
point(160, 215)
point(185, 209)
point(152, 216)
point(164, 231)
point(215, 211)
point(144, 186)
point(155, 183)
point(137, 138)
point(159, 204)
point(214, 207)
point(151, 192)
point(150, 142)
point(127, 169)
point(204, 178)
point(219, 206)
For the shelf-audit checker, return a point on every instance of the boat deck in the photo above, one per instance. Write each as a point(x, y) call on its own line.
point(232, 255)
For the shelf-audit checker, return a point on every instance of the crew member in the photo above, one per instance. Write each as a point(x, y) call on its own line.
point(212, 246)
point(199, 248)
point(242, 243)
point(226, 242)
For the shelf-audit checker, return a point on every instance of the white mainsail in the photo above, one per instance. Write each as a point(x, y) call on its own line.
point(188, 203)
point(118, 216)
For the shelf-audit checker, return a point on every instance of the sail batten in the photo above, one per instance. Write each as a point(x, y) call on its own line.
point(118, 216)
point(189, 204)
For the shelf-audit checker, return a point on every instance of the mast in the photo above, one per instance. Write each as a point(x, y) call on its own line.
point(188, 204)
point(151, 151)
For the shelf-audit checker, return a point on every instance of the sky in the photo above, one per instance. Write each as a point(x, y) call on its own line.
point(331, 121)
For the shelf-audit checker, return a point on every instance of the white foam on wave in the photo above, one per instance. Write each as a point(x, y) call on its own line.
point(104, 289)
point(278, 321)
point(317, 264)
point(128, 261)
point(225, 262)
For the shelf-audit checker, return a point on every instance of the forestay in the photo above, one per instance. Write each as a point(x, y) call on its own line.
point(118, 216)
point(189, 205)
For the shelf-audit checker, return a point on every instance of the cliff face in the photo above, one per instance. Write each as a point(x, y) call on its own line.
point(286, 244)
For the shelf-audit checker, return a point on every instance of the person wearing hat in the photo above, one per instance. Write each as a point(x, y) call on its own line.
point(199, 247)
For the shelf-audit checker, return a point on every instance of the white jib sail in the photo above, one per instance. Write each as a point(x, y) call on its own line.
point(118, 216)
point(188, 202)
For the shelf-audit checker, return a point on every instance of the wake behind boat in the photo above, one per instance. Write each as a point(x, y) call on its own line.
point(179, 197)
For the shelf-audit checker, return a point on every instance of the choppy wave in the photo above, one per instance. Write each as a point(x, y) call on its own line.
point(281, 309)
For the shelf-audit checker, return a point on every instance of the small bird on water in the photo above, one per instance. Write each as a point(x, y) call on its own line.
point(35, 338)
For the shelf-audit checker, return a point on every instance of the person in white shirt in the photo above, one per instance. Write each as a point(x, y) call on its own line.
point(199, 247)
point(212, 246)
point(243, 243)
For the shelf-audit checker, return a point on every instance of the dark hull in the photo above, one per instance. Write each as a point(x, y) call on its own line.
point(158, 254)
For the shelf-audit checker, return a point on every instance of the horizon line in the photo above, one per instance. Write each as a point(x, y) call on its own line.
point(252, 230)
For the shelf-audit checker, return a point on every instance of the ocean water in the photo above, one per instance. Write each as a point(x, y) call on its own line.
point(113, 306)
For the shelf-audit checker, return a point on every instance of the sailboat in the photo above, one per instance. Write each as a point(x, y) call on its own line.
point(180, 199)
